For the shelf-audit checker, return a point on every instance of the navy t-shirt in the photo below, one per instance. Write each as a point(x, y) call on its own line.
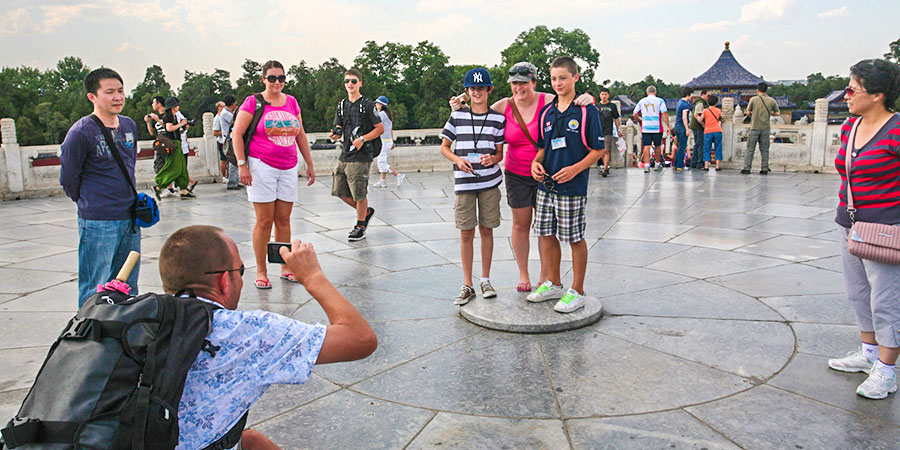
point(682, 105)
point(89, 173)
point(568, 124)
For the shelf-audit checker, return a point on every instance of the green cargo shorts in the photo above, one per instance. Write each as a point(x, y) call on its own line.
point(351, 179)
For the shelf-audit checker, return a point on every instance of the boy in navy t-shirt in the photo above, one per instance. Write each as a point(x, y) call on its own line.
point(570, 142)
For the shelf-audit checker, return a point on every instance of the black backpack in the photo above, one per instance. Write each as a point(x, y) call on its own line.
point(228, 147)
point(114, 377)
point(373, 146)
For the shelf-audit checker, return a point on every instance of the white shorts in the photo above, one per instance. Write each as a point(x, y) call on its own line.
point(270, 184)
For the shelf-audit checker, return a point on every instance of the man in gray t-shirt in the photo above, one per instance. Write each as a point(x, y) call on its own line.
point(759, 110)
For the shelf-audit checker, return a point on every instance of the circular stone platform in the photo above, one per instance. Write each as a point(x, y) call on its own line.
point(510, 311)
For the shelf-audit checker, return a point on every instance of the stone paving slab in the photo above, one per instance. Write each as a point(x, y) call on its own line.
point(511, 311)
point(712, 338)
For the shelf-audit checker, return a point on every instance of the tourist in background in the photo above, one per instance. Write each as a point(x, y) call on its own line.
point(521, 188)
point(175, 168)
point(609, 117)
point(220, 141)
point(156, 128)
point(91, 177)
point(387, 143)
point(682, 119)
point(267, 164)
point(650, 111)
point(696, 126)
point(712, 133)
point(227, 119)
point(759, 110)
point(185, 147)
point(873, 288)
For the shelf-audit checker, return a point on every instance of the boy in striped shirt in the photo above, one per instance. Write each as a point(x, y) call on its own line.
point(478, 134)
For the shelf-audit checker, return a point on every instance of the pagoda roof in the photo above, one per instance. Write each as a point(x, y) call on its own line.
point(725, 72)
point(835, 100)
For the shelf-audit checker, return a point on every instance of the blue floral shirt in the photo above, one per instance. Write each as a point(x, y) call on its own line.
point(257, 349)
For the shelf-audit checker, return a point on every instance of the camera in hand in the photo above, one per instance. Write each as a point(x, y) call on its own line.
point(338, 131)
point(272, 251)
point(191, 122)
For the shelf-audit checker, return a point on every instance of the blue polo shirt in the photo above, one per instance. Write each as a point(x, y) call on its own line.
point(568, 124)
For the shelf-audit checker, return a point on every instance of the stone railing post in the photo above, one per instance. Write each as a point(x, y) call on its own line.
point(629, 141)
point(14, 170)
point(615, 159)
point(728, 141)
point(818, 141)
point(210, 153)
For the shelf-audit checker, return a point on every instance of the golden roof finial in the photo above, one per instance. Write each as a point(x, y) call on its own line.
point(727, 44)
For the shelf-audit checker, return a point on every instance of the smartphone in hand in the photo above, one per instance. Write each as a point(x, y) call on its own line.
point(273, 249)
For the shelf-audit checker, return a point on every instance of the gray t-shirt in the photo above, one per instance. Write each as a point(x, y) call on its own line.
point(388, 126)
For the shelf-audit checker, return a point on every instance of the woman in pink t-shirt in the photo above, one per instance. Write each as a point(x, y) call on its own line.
point(521, 188)
point(270, 169)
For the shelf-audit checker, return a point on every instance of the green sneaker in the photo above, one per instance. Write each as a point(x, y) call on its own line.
point(570, 302)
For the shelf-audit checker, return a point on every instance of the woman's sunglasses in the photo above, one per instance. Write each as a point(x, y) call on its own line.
point(273, 78)
point(350, 80)
point(850, 92)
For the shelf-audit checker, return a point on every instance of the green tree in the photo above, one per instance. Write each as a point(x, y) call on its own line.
point(199, 94)
point(894, 53)
point(541, 45)
point(250, 81)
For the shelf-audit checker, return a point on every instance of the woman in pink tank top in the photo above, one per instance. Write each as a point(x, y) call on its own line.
point(521, 188)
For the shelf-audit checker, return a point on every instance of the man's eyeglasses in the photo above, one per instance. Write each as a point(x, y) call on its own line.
point(273, 78)
point(239, 270)
point(850, 92)
point(350, 80)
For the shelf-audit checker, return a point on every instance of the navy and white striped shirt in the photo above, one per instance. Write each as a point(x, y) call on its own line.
point(475, 133)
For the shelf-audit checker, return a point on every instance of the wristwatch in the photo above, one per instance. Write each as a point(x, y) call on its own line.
point(363, 139)
point(242, 162)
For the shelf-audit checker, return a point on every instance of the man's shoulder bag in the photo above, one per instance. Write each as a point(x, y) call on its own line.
point(868, 240)
point(115, 376)
point(248, 134)
point(144, 210)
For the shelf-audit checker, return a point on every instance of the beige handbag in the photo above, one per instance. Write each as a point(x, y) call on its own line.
point(867, 240)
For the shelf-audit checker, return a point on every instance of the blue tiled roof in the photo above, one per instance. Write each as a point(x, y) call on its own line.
point(835, 101)
point(726, 72)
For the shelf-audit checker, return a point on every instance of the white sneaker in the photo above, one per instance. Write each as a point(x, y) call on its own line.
point(400, 178)
point(878, 385)
point(225, 179)
point(570, 302)
point(855, 361)
point(381, 184)
point(546, 291)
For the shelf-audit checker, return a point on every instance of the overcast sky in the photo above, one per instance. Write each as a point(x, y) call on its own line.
point(673, 40)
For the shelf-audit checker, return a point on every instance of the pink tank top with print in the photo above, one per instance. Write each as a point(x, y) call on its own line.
point(520, 153)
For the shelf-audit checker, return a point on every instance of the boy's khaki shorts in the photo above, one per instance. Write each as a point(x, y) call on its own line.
point(488, 209)
point(351, 179)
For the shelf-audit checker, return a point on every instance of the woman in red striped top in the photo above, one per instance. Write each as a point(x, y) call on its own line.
point(873, 288)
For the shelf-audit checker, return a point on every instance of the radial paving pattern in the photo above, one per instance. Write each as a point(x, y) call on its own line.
point(722, 299)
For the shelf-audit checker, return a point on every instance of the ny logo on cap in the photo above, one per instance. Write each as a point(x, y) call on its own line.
point(477, 77)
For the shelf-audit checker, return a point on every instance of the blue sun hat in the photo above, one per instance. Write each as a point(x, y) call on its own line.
point(477, 77)
point(383, 100)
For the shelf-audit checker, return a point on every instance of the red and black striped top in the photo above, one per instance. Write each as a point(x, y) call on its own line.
point(876, 175)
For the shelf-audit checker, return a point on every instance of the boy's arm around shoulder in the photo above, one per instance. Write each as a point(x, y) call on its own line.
point(348, 337)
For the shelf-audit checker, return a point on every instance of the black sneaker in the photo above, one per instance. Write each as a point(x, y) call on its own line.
point(188, 195)
point(357, 234)
point(605, 172)
point(156, 193)
point(745, 171)
point(369, 213)
point(763, 172)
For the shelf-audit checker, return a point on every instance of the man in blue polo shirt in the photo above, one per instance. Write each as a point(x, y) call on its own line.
point(570, 142)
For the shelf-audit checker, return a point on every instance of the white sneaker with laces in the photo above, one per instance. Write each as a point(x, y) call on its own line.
point(878, 385)
point(855, 361)
point(400, 178)
point(570, 302)
point(381, 184)
point(546, 291)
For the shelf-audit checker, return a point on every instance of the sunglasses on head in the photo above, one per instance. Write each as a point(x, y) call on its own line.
point(850, 92)
point(521, 71)
point(549, 184)
point(350, 80)
point(273, 78)
point(240, 270)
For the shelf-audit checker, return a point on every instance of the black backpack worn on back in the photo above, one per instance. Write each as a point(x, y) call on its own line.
point(228, 147)
point(114, 377)
point(373, 146)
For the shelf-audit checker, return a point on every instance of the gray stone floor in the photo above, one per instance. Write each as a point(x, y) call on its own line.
point(722, 293)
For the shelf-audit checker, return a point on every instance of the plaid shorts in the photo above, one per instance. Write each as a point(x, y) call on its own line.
point(562, 215)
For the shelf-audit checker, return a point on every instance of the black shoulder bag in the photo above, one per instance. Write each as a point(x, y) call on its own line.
point(144, 210)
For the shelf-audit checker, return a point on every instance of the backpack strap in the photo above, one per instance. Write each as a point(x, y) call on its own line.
point(583, 126)
point(24, 431)
point(257, 115)
point(114, 150)
point(541, 123)
point(232, 437)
